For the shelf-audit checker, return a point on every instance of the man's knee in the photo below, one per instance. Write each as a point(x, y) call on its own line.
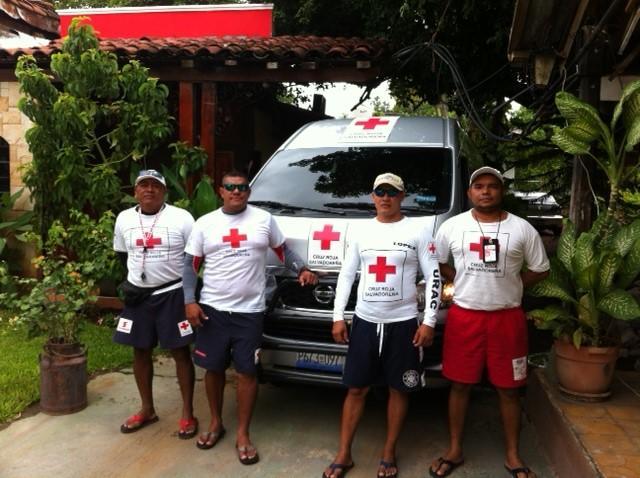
point(358, 392)
point(461, 388)
point(181, 354)
point(142, 354)
point(509, 393)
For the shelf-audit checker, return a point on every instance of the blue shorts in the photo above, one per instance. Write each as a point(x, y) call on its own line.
point(158, 319)
point(383, 354)
point(229, 336)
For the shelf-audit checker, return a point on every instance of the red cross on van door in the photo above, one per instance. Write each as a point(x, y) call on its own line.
point(381, 269)
point(326, 236)
point(234, 238)
point(371, 123)
point(148, 241)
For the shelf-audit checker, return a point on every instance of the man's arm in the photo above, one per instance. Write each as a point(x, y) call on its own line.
point(530, 278)
point(295, 263)
point(448, 272)
point(343, 291)
point(433, 287)
point(192, 310)
point(123, 257)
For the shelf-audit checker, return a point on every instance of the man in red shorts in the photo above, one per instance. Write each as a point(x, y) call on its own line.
point(486, 327)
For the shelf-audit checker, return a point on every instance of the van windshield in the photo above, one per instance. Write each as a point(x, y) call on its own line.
point(330, 181)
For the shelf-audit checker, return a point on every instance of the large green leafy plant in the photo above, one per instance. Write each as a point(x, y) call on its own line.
point(591, 273)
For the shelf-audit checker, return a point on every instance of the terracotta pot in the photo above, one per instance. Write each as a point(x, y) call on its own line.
point(586, 372)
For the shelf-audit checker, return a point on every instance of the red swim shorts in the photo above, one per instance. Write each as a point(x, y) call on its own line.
point(496, 339)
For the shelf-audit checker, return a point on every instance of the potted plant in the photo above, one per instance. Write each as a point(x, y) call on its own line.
point(592, 272)
point(54, 305)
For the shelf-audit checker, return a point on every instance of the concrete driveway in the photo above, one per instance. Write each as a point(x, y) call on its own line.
point(295, 429)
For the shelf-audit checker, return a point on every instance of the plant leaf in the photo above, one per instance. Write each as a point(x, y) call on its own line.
point(576, 338)
point(569, 144)
point(619, 304)
point(627, 91)
point(630, 268)
point(623, 240)
point(567, 244)
point(633, 134)
point(587, 312)
point(550, 287)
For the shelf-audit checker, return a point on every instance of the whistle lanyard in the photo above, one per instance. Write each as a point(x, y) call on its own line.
point(146, 237)
point(480, 227)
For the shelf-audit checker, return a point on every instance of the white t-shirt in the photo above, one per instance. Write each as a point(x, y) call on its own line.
point(234, 247)
point(164, 235)
point(388, 256)
point(481, 286)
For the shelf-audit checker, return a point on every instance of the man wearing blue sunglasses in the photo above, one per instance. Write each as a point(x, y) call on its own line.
point(386, 338)
point(233, 242)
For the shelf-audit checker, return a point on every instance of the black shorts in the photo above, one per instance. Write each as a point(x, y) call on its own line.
point(158, 319)
point(226, 336)
point(383, 354)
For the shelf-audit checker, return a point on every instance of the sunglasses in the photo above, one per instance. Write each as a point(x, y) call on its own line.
point(391, 192)
point(243, 188)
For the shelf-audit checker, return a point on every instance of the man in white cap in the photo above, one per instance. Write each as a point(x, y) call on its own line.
point(150, 239)
point(486, 326)
point(386, 338)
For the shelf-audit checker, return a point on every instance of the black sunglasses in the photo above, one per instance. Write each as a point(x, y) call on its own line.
point(243, 188)
point(391, 192)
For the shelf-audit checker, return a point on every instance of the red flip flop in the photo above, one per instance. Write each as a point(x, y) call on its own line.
point(136, 422)
point(184, 425)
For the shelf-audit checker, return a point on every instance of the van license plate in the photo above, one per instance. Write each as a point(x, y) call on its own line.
point(320, 361)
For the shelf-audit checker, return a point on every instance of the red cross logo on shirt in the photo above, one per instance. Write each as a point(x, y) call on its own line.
point(432, 248)
point(184, 325)
point(148, 241)
point(326, 236)
point(371, 123)
point(381, 269)
point(477, 247)
point(234, 238)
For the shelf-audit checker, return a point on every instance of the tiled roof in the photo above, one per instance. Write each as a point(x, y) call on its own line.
point(31, 16)
point(292, 49)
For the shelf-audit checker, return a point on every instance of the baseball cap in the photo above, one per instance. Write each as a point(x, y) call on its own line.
point(150, 174)
point(390, 179)
point(485, 170)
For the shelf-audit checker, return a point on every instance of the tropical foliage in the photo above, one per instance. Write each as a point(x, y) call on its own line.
point(591, 273)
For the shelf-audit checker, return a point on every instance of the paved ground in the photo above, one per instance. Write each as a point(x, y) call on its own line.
point(295, 429)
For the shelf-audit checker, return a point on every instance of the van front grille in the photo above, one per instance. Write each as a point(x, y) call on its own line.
point(320, 297)
point(306, 330)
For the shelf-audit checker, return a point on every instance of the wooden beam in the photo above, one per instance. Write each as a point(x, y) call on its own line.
point(208, 107)
point(259, 73)
point(185, 112)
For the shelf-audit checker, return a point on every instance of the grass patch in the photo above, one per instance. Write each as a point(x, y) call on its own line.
point(19, 368)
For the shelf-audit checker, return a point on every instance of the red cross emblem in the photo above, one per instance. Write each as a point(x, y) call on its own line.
point(432, 248)
point(148, 241)
point(381, 269)
point(326, 236)
point(371, 123)
point(234, 238)
point(184, 325)
point(477, 247)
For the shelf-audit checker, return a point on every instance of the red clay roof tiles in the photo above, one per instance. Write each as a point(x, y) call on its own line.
point(30, 15)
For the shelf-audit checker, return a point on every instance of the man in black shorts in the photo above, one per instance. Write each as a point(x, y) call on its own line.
point(386, 340)
point(233, 241)
point(150, 239)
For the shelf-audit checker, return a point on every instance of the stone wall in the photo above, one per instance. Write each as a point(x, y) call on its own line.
point(13, 125)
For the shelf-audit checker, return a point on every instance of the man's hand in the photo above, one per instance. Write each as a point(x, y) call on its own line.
point(424, 336)
point(307, 277)
point(339, 332)
point(194, 314)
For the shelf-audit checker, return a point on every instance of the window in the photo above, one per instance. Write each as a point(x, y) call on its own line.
point(4, 166)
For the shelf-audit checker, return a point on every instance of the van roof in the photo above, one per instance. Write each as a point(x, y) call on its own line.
point(375, 131)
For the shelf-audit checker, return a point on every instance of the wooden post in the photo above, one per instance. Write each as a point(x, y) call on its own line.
point(581, 205)
point(185, 119)
point(208, 106)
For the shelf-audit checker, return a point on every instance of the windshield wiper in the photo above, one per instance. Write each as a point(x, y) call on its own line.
point(289, 207)
point(430, 210)
point(351, 205)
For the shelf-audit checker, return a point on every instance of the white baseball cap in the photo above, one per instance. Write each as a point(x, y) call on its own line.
point(390, 179)
point(485, 170)
point(150, 174)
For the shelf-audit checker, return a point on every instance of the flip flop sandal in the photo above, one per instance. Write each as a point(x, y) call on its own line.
point(386, 465)
point(342, 470)
point(212, 439)
point(244, 455)
point(441, 461)
point(138, 421)
point(184, 425)
point(522, 469)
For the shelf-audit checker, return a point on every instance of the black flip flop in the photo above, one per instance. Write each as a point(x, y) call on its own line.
point(247, 460)
point(342, 469)
point(521, 469)
point(386, 465)
point(441, 461)
point(209, 443)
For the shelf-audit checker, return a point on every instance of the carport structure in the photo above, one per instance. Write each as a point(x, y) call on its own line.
point(222, 88)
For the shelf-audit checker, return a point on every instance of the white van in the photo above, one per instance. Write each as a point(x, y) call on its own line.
point(318, 186)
